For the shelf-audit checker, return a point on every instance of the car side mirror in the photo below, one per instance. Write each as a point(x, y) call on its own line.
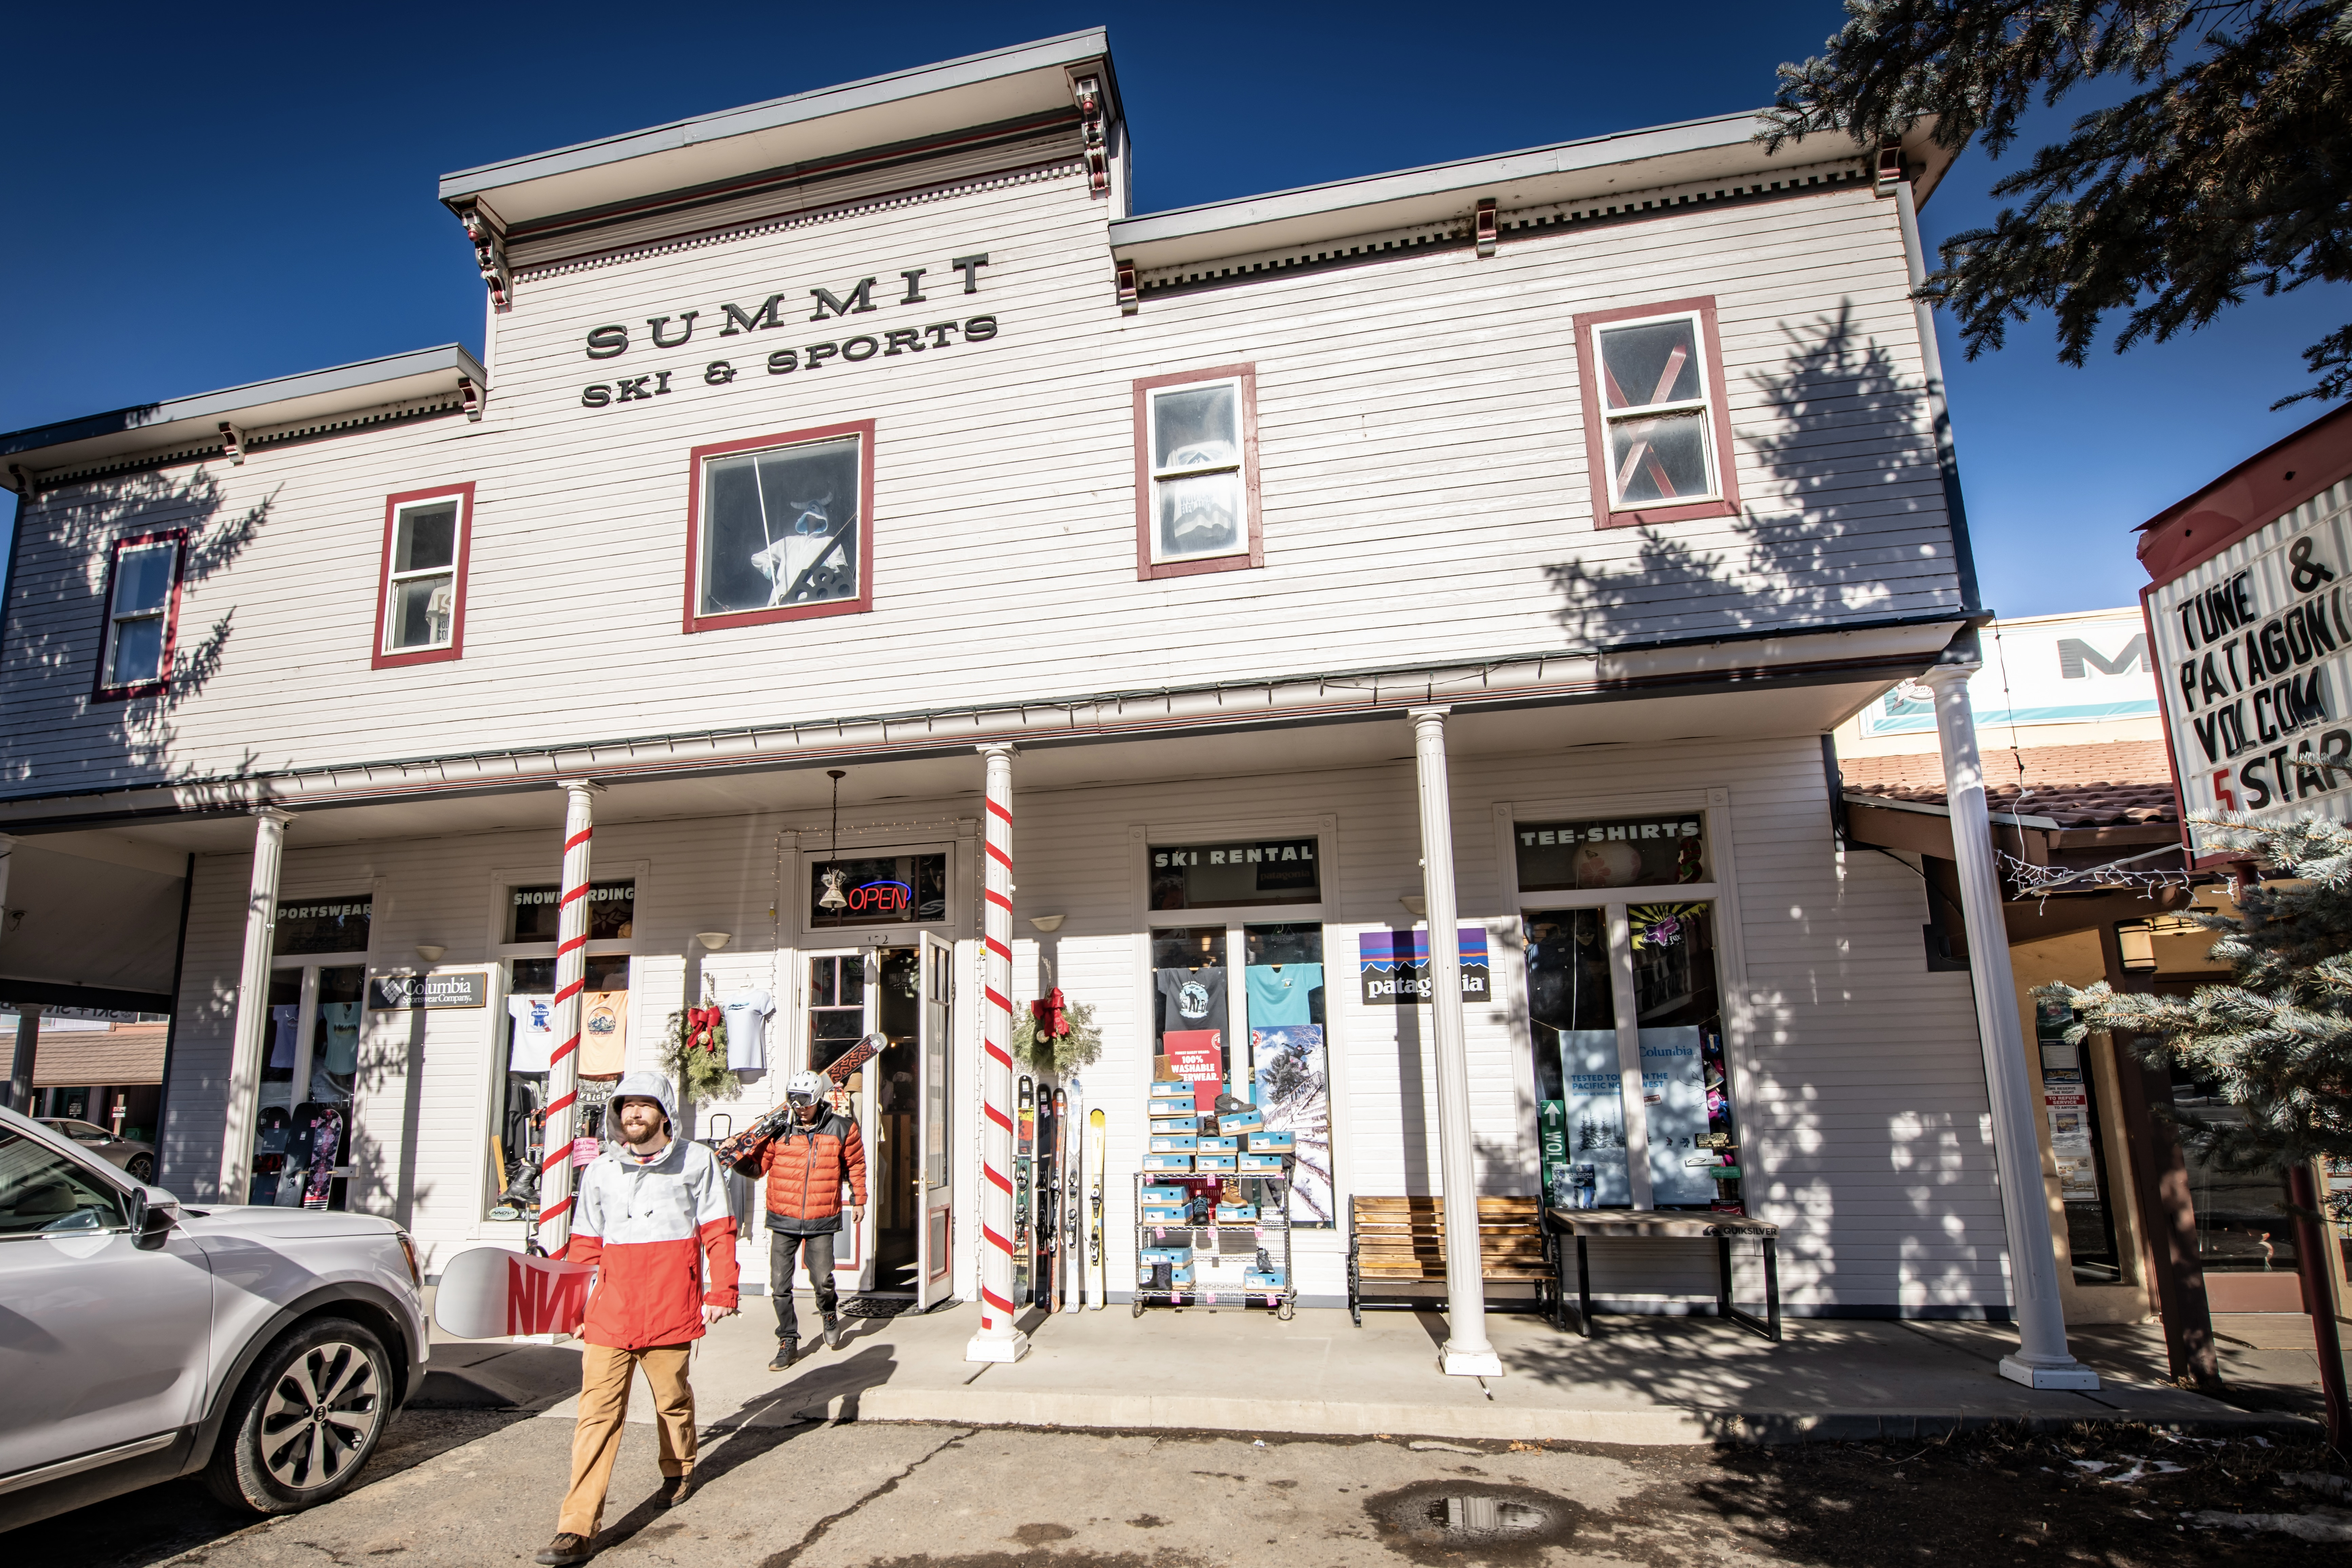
point(158, 1211)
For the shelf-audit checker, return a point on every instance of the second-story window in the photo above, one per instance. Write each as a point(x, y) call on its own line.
point(1653, 413)
point(1196, 456)
point(780, 529)
point(420, 601)
point(143, 602)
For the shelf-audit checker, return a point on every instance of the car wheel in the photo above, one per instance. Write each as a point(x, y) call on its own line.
point(306, 1420)
point(140, 1168)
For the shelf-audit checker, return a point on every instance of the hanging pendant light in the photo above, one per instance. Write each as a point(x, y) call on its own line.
point(831, 899)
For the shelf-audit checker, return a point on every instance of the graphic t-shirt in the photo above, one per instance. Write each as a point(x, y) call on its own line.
point(1279, 995)
point(603, 1033)
point(1191, 999)
point(534, 1032)
point(287, 1018)
point(747, 1030)
point(342, 1048)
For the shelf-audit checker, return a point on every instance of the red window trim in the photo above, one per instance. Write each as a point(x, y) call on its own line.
point(694, 621)
point(100, 691)
point(1148, 570)
point(1596, 431)
point(379, 658)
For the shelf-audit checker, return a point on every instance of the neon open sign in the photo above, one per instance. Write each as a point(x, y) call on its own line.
point(880, 899)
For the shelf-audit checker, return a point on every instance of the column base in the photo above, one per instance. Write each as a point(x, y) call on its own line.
point(2068, 1375)
point(1006, 1348)
point(1469, 1364)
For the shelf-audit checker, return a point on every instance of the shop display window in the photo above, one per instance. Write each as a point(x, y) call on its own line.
point(1283, 996)
point(1621, 995)
point(2070, 1102)
point(1235, 874)
point(302, 1141)
point(1657, 441)
point(879, 889)
point(142, 608)
point(421, 597)
point(1612, 852)
point(779, 528)
point(518, 1119)
point(2241, 1220)
point(1196, 479)
point(534, 913)
point(322, 925)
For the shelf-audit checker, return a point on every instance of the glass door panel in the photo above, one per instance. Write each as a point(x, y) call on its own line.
point(1289, 1061)
point(932, 1240)
point(1579, 1088)
point(1684, 1086)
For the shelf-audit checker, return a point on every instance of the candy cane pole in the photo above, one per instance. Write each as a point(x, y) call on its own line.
point(998, 1338)
point(564, 1063)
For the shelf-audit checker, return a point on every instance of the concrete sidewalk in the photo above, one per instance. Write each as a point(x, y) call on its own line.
point(1643, 1381)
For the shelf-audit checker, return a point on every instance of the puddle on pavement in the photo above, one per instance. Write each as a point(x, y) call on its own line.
point(1442, 1521)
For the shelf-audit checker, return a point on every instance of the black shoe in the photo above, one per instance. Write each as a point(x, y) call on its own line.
point(833, 1334)
point(675, 1489)
point(564, 1550)
point(787, 1351)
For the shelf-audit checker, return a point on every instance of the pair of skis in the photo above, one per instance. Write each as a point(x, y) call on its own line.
point(1081, 1151)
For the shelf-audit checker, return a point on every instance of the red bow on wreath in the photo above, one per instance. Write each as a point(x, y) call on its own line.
point(1046, 1012)
point(702, 1026)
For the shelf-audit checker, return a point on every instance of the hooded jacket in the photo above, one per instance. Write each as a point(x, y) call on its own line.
point(805, 1167)
point(660, 1235)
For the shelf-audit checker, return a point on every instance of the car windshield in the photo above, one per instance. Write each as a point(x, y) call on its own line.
point(82, 1131)
point(41, 1190)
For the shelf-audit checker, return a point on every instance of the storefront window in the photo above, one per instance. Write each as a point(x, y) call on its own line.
point(1612, 852)
point(1580, 961)
point(879, 889)
point(780, 527)
point(1290, 1067)
point(2241, 1221)
point(519, 1118)
point(301, 1145)
point(1238, 874)
point(534, 913)
point(837, 1004)
point(2070, 1104)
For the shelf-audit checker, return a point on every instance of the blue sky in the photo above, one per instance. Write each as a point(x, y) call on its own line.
point(204, 198)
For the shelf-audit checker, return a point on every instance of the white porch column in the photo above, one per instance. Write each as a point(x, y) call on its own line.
point(553, 1231)
point(2042, 1360)
point(998, 1338)
point(1467, 1353)
point(249, 1041)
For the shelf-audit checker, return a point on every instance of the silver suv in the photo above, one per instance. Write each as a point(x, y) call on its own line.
point(141, 1340)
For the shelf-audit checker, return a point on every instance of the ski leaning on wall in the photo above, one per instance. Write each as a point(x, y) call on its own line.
point(1098, 1124)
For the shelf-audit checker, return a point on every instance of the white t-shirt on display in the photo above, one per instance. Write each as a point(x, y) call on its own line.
point(747, 1030)
point(534, 1032)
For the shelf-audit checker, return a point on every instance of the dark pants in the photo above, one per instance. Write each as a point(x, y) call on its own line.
point(781, 1249)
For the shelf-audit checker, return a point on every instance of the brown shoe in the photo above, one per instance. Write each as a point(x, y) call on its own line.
point(675, 1489)
point(565, 1550)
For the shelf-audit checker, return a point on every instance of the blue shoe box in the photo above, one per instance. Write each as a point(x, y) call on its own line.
point(1273, 1143)
point(1264, 1280)
point(1169, 1163)
point(1175, 1124)
point(1164, 1214)
point(1236, 1214)
point(1178, 1142)
point(1213, 1164)
point(1258, 1165)
point(1172, 1086)
point(1164, 1255)
point(1242, 1121)
point(1167, 1195)
point(1216, 1145)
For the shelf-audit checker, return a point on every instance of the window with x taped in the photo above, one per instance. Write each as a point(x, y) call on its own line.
point(1654, 397)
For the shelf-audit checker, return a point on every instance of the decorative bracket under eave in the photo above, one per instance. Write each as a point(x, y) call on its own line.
point(23, 485)
point(1124, 272)
point(490, 255)
point(1087, 91)
point(471, 397)
point(232, 444)
point(1891, 171)
point(1488, 226)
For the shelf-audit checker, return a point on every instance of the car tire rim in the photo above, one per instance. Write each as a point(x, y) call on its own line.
point(321, 1416)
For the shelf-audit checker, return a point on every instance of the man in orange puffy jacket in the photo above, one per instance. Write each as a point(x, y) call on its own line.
point(806, 1166)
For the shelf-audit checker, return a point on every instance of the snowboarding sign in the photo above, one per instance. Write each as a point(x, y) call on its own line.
point(488, 1292)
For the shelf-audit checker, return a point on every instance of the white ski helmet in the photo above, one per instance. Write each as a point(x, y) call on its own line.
point(806, 1086)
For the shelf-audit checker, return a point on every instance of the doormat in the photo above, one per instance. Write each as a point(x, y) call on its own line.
point(877, 1306)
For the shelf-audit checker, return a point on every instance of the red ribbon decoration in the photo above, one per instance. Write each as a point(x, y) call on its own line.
point(1047, 1014)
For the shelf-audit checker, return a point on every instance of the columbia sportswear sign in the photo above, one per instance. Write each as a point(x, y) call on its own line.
point(2254, 662)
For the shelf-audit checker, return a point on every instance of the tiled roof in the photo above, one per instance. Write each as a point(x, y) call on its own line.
point(2123, 784)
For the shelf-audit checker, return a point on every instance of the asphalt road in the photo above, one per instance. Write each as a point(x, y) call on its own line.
point(481, 1487)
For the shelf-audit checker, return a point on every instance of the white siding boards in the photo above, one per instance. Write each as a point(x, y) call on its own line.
point(1421, 530)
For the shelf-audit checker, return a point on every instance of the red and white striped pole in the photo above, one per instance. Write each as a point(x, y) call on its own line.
point(998, 1338)
point(564, 1063)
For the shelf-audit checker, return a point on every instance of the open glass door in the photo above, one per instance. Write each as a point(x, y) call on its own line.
point(842, 1007)
point(931, 1187)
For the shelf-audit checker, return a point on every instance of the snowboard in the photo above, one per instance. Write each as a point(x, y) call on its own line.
point(488, 1292)
point(1025, 1140)
point(1049, 1225)
point(1097, 1126)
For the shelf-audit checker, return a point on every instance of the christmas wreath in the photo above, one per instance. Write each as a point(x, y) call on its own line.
point(697, 1057)
point(1057, 1037)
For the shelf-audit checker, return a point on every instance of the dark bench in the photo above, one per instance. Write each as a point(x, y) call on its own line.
point(1394, 1242)
point(1560, 1225)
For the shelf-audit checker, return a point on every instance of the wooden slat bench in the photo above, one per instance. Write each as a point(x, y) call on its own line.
point(1627, 1224)
point(1398, 1241)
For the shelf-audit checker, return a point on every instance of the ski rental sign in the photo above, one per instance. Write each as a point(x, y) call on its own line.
point(2253, 658)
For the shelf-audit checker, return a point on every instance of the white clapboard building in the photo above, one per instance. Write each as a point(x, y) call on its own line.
point(868, 430)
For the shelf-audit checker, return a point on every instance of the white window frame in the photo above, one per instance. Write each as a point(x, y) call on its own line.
point(163, 614)
point(393, 578)
point(1160, 473)
point(1703, 404)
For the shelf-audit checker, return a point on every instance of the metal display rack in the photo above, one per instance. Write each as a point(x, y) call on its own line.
point(1235, 1247)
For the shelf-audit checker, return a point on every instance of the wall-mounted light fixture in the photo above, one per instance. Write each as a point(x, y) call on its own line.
point(1047, 922)
point(1414, 902)
point(430, 952)
point(713, 940)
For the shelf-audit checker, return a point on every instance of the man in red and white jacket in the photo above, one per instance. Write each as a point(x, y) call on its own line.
point(652, 1216)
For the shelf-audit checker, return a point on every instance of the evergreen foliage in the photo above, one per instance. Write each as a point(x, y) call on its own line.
point(1062, 1056)
point(2231, 171)
point(2278, 1037)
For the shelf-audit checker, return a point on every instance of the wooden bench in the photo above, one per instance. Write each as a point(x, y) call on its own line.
point(1650, 1225)
point(1395, 1242)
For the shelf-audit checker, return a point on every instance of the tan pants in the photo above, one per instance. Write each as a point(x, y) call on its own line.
point(604, 1407)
